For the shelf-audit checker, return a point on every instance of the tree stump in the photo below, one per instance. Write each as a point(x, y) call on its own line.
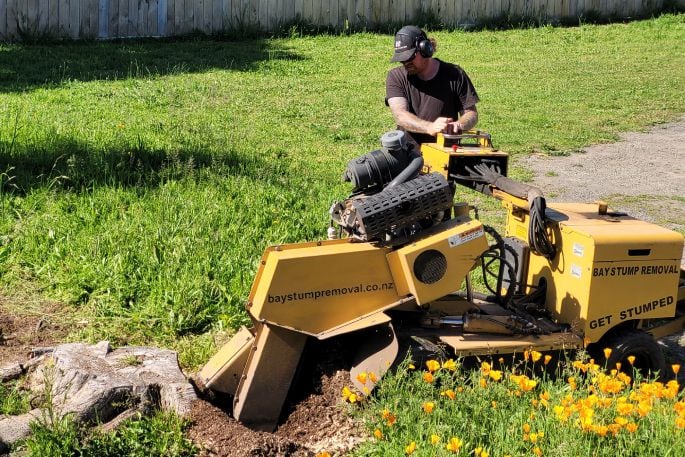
point(93, 384)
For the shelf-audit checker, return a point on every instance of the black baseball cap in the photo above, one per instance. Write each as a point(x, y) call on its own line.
point(406, 39)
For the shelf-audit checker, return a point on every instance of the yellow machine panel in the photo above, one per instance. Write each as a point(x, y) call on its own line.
point(316, 287)
point(434, 266)
point(452, 157)
point(223, 371)
point(626, 268)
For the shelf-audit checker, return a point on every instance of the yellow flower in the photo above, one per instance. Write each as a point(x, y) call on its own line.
point(323, 454)
point(449, 394)
point(480, 452)
point(483, 383)
point(435, 439)
point(614, 428)
point(680, 422)
point(495, 375)
point(672, 389)
point(631, 427)
point(601, 430)
point(676, 368)
point(485, 368)
point(373, 377)
point(537, 451)
point(346, 393)
point(578, 365)
point(607, 353)
point(620, 420)
point(454, 444)
point(526, 428)
point(428, 377)
point(547, 359)
point(679, 408)
point(389, 417)
point(450, 365)
point(378, 434)
point(428, 407)
point(411, 447)
point(432, 365)
point(411, 366)
point(625, 408)
point(361, 377)
point(535, 356)
point(527, 384)
point(643, 408)
point(624, 378)
point(631, 359)
point(494, 404)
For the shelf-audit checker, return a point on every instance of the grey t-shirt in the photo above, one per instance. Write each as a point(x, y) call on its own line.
point(446, 95)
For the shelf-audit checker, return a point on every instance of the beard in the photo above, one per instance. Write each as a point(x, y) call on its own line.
point(411, 68)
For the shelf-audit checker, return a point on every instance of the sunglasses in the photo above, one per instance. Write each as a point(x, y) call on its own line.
point(413, 56)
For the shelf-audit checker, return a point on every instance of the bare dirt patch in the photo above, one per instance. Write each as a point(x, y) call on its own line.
point(22, 332)
point(313, 418)
point(315, 424)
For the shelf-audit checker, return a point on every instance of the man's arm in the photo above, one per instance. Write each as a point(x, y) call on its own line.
point(468, 119)
point(411, 122)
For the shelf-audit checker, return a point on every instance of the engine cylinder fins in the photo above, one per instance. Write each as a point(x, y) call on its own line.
point(373, 217)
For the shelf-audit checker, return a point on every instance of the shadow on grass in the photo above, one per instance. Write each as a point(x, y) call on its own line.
point(28, 67)
point(69, 164)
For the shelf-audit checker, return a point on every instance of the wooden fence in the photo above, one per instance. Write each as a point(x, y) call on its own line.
point(89, 19)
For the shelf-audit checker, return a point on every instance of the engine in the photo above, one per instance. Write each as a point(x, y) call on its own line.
point(390, 201)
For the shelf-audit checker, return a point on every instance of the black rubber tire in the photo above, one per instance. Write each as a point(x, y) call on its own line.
point(649, 358)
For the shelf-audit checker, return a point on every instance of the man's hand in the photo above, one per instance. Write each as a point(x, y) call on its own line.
point(440, 125)
point(454, 128)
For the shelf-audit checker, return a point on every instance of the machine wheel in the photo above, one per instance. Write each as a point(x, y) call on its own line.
point(649, 358)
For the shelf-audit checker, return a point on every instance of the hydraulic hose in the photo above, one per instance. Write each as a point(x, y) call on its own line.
point(538, 238)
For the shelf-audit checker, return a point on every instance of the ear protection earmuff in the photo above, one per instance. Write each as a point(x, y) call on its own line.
point(424, 46)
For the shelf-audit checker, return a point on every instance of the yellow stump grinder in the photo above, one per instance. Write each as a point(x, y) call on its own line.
point(398, 265)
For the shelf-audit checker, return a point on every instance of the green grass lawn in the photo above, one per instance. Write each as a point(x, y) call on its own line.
point(140, 181)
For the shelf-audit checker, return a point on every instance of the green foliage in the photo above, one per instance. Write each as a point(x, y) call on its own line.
point(158, 436)
point(161, 435)
point(140, 181)
point(13, 400)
